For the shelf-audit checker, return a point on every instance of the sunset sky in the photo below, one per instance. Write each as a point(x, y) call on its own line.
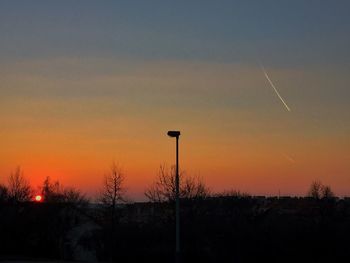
point(86, 83)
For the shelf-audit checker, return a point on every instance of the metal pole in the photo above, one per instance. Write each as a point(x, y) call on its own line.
point(177, 181)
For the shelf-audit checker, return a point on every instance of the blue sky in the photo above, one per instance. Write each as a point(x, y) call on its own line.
point(283, 32)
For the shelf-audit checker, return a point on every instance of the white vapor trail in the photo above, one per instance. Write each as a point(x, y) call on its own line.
point(289, 158)
point(275, 89)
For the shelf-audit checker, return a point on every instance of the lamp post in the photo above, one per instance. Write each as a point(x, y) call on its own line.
point(176, 134)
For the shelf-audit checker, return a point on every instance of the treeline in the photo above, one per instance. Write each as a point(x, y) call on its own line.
point(113, 192)
point(18, 189)
point(230, 226)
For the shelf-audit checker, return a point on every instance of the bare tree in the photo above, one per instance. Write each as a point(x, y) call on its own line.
point(74, 196)
point(113, 192)
point(18, 187)
point(163, 189)
point(327, 192)
point(3, 193)
point(54, 192)
point(318, 190)
point(194, 187)
point(315, 190)
point(51, 190)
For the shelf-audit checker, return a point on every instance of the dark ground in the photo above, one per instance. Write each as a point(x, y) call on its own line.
point(212, 230)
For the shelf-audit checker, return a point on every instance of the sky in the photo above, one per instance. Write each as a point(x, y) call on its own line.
point(87, 83)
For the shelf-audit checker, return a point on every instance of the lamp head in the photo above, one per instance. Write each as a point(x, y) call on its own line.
point(174, 134)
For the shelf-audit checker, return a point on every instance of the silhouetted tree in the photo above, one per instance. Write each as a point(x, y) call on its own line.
point(19, 189)
point(4, 195)
point(318, 190)
point(54, 192)
point(327, 192)
point(74, 196)
point(112, 194)
point(163, 189)
point(315, 190)
point(50, 190)
point(112, 191)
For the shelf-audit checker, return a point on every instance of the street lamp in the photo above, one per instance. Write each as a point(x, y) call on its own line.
point(176, 134)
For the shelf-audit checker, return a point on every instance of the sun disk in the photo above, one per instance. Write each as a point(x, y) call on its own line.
point(38, 198)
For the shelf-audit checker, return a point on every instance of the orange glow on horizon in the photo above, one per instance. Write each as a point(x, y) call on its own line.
point(235, 137)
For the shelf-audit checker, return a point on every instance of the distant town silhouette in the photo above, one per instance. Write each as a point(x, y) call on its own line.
point(231, 226)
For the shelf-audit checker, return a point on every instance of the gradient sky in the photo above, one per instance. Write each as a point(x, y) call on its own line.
point(86, 83)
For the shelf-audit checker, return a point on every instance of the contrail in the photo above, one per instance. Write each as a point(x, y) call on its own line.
point(275, 89)
point(289, 158)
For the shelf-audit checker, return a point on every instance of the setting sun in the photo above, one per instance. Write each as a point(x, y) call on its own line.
point(38, 198)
